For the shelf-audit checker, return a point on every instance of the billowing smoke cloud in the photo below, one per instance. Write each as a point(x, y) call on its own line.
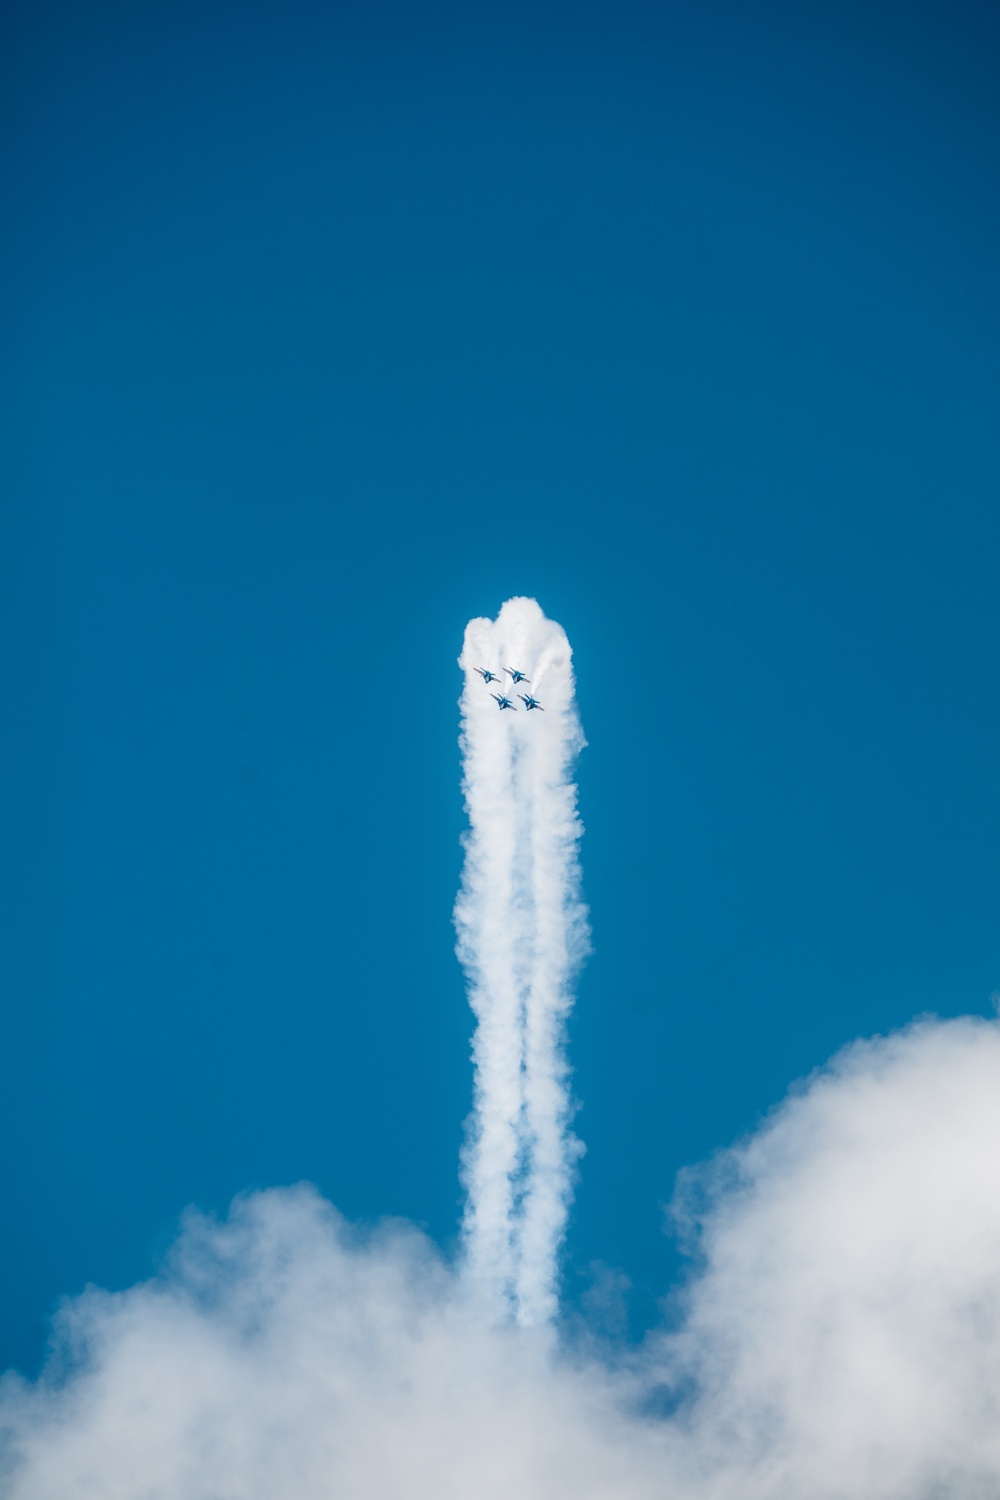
point(839, 1339)
point(843, 1339)
point(522, 931)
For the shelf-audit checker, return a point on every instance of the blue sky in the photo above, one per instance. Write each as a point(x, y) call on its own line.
point(329, 327)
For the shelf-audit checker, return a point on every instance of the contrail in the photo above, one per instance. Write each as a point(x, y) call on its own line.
point(522, 931)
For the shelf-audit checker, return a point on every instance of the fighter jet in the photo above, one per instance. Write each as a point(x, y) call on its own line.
point(503, 702)
point(487, 676)
point(516, 677)
point(529, 702)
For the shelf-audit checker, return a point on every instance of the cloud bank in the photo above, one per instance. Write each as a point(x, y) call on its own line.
point(839, 1338)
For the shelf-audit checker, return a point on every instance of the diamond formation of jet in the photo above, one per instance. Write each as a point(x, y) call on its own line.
point(501, 699)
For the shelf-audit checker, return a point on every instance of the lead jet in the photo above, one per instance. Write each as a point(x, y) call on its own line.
point(529, 702)
point(516, 677)
point(503, 702)
point(487, 676)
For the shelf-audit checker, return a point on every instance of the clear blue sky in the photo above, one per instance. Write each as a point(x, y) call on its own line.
point(330, 325)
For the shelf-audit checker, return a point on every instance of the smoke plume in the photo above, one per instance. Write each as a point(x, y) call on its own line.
point(522, 931)
point(838, 1337)
point(839, 1340)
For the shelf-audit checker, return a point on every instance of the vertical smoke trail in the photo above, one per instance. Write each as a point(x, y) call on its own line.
point(521, 934)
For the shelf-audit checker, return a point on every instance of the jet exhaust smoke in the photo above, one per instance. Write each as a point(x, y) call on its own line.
point(522, 933)
point(839, 1338)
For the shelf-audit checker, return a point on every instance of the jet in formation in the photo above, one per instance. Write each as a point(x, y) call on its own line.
point(500, 699)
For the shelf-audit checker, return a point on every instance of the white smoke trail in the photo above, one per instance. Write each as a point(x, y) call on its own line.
point(521, 933)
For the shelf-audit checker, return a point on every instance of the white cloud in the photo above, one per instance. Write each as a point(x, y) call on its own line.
point(840, 1339)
